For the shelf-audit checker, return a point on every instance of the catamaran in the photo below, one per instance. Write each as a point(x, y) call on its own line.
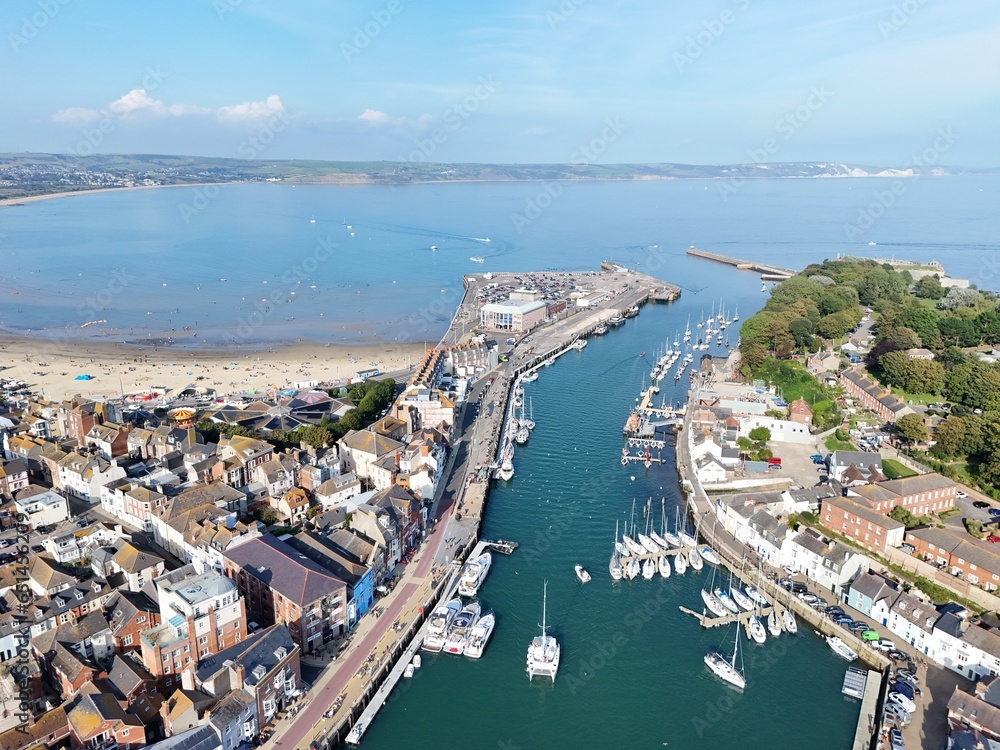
point(480, 636)
point(543, 651)
point(726, 669)
point(474, 574)
point(440, 621)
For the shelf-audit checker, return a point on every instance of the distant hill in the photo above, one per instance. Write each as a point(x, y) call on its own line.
point(24, 175)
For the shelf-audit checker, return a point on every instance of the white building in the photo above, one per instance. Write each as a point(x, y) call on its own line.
point(827, 563)
point(42, 508)
point(782, 430)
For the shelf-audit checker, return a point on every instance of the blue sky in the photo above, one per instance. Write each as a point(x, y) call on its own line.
point(546, 81)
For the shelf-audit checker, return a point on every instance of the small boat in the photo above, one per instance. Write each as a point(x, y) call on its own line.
point(726, 669)
point(788, 621)
point(578, 344)
point(438, 624)
point(773, 624)
point(601, 330)
point(726, 599)
point(649, 545)
point(663, 563)
point(543, 651)
point(617, 320)
point(461, 628)
point(531, 377)
point(434, 247)
point(503, 546)
point(648, 569)
point(694, 559)
point(708, 554)
point(763, 287)
point(741, 599)
point(312, 220)
point(582, 574)
point(549, 361)
point(477, 259)
point(680, 564)
point(417, 661)
point(756, 629)
point(840, 648)
point(408, 670)
point(714, 605)
point(474, 573)
point(479, 636)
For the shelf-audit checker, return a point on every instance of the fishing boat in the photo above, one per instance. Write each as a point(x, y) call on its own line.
point(741, 599)
point(474, 573)
point(479, 636)
point(461, 628)
point(578, 344)
point(438, 624)
point(694, 559)
point(726, 599)
point(714, 605)
point(632, 569)
point(756, 627)
point(543, 651)
point(680, 564)
point(582, 574)
point(773, 624)
point(616, 320)
point(648, 569)
point(601, 330)
point(708, 554)
point(663, 563)
point(726, 669)
point(840, 648)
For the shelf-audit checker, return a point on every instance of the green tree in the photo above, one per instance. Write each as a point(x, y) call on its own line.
point(838, 324)
point(911, 428)
point(901, 336)
point(895, 368)
point(269, 516)
point(879, 287)
point(924, 322)
point(949, 437)
point(760, 434)
point(925, 376)
point(837, 299)
point(802, 330)
point(957, 331)
point(957, 298)
point(929, 287)
point(988, 325)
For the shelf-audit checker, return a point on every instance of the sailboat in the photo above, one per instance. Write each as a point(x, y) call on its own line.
point(694, 559)
point(543, 651)
point(726, 669)
point(757, 631)
point(687, 330)
point(788, 617)
point(632, 569)
point(648, 569)
point(663, 563)
point(736, 313)
point(710, 596)
point(615, 566)
point(680, 563)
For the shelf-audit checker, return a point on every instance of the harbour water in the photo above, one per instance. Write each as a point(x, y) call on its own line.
point(631, 673)
point(152, 262)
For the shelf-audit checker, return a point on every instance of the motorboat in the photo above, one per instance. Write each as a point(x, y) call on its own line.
point(680, 564)
point(417, 661)
point(840, 648)
point(408, 671)
point(616, 320)
point(663, 563)
point(708, 554)
point(438, 624)
point(601, 330)
point(578, 344)
point(477, 259)
point(726, 599)
point(714, 605)
point(582, 574)
point(474, 573)
point(773, 624)
point(480, 635)
point(694, 559)
point(531, 377)
point(461, 628)
point(753, 593)
point(543, 651)
point(726, 669)
point(506, 471)
point(756, 629)
point(741, 599)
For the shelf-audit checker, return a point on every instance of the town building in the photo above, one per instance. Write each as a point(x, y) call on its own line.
point(41, 507)
point(920, 494)
point(516, 316)
point(873, 396)
point(855, 467)
point(799, 411)
point(869, 529)
point(958, 554)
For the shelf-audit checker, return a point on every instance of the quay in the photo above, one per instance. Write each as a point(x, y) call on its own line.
point(646, 407)
point(774, 273)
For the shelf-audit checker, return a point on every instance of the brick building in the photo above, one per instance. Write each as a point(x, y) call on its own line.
point(870, 529)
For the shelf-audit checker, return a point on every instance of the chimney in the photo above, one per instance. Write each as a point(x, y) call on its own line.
point(187, 678)
point(424, 450)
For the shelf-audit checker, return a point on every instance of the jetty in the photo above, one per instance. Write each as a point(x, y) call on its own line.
point(773, 273)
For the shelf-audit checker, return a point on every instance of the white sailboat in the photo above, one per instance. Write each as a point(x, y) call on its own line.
point(726, 599)
point(480, 636)
point(708, 554)
point(615, 565)
point(543, 651)
point(680, 563)
point(694, 559)
point(726, 669)
point(648, 569)
point(663, 563)
point(632, 569)
point(773, 624)
point(741, 599)
point(757, 631)
point(714, 605)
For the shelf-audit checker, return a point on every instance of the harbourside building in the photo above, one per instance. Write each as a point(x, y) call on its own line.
point(921, 494)
point(855, 467)
point(870, 529)
point(515, 316)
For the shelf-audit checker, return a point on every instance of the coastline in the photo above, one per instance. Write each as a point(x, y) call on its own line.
point(15, 202)
point(118, 367)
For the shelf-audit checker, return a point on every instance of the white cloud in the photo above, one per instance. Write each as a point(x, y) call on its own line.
point(374, 117)
point(405, 125)
point(137, 100)
point(75, 115)
point(253, 110)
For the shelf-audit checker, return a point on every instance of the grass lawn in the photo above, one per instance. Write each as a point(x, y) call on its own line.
point(793, 379)
point(895, 470)
point(916, 398)
point(832, 444)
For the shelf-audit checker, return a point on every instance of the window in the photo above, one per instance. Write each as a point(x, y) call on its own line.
point(187, 647)
point(204, 653)
point(124, 733)
point(166, 658)
point(203, 640)
point(127, 640)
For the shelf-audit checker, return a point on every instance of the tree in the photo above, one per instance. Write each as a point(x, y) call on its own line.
point(959, 331)
point(902, 336)
point(949, 437)
point(895, 368)
point(760, 434)
point(929, 287)
point(802, 330)
point(904, 516)
point(911, 428)
point(838, 324)
point(925, 376)
point(958, 297)
point(880, 286)
point(837, 299)
point(924, 323)
point(269, 516)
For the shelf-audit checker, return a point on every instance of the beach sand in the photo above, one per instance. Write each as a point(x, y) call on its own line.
point(117, 367)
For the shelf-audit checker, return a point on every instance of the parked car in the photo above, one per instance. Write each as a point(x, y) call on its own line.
point(815, 457)
point(980, 504)
point(37, 548)
point(834, 610)
point(884, 644)
point(6, 543)
point(83, 522)
point(909, 683)
point(896, 713)
point(993, 538)
point(807, 597)
point(995, 512)
point(870, 635)
point(901, 700)
point(962, 495)
point(896, 740)
point(844, 620)
point(798, 587)
point(790, 570)
point(897, 655)
point(906, 673)
point(859, 626)
point(899, 687)
point(819, 604)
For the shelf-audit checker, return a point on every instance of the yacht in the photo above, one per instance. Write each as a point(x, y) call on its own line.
point(616, 320)
point(663, 563)
point(756, 627)
point(726, 669)
point(741, 599)
point(680, 564)
point(582, 574)
point(649, 545)
point(660, 541)
point(634, 547)
point(474, 573)
point(506, 470)
point(479, 636)
point(726, 599)
point(440, 621)
point(788, 621)
point(714, 605)
point(531, 377)
point(461, 628)
point(543, 651)
point(708, 554)
point(694, 559)
point(670, 538)
point(686, 539)
point(840, 648)
point(753, 593)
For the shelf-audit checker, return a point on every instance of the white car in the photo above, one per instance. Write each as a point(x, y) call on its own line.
point(961, 495)
point(901, 700)
point(884, 645)
point(896, 713)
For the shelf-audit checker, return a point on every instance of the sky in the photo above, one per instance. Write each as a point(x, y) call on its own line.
point(542, 81)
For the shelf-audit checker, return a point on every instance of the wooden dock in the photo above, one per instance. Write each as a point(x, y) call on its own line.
point(743, 265)
point(646, 407)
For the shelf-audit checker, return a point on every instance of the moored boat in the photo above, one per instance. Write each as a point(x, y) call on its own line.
point(788, 621)
point(582, 574)
point(726, 669)
point(663, 563)
point(840, 648)
point(480, 636)
point(714, 605)
point(726, 599)
point(649, 545)
point(461, 627)
point(756, 627)
point(773, 624)
point(753, 593)
point(438, 624)
point(648, 568)
point(694, 559)
point(680, 564)
point(708, 554)
point(632, 569)
point(474, 573)
point(741, 599)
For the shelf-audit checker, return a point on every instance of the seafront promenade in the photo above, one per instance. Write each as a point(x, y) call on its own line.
point(353, 680)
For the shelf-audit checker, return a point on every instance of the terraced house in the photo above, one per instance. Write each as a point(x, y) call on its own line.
point(872, 396)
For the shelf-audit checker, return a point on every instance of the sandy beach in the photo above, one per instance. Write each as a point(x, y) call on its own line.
point(117, 367)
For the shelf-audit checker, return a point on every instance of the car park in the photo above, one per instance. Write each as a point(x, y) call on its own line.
point(902, 700)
